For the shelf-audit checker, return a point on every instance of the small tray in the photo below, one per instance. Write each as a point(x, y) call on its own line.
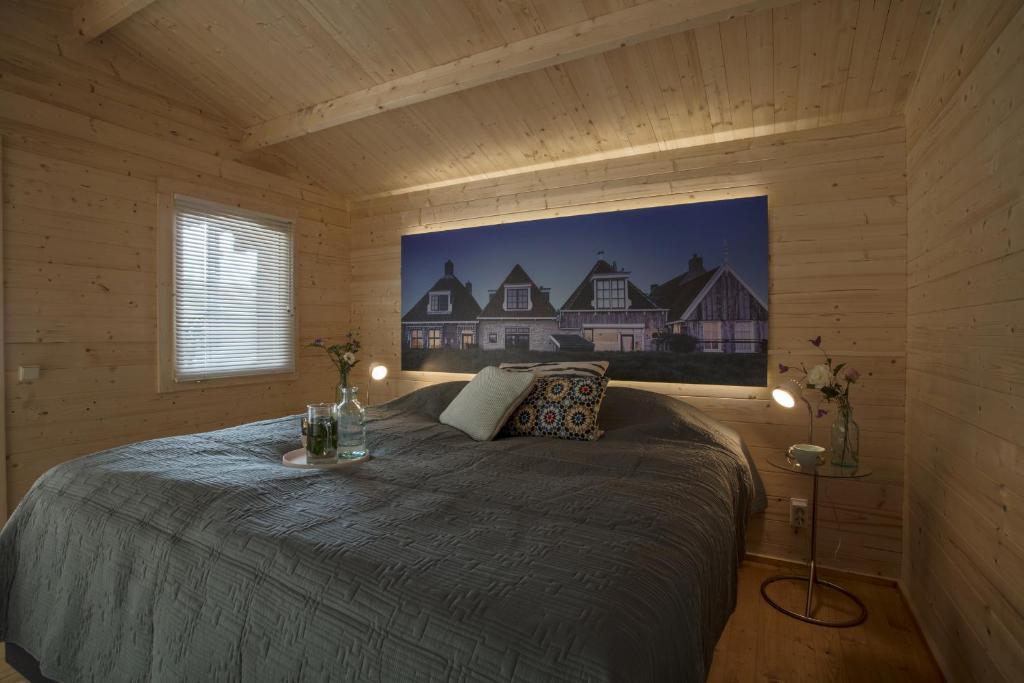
point(297, 459)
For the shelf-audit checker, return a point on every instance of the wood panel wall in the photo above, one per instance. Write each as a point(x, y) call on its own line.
point(964, 559)
point(83, 152)
point(3, 401)
point(838, 268)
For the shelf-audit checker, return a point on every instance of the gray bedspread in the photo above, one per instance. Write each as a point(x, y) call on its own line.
point(201, 558)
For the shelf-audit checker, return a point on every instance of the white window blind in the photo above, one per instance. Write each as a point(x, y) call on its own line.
point(233, 297)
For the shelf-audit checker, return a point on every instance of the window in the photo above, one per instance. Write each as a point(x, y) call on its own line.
point(232, 302)
point(517, 338)
point(416, 338)
point(492, 337)
point(434, 338)
point(711, 336)
point(517, 298)
point(610, 293)
point(743, 337)
point(440, 302)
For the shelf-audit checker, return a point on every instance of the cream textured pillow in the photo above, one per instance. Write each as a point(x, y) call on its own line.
point(482, 407)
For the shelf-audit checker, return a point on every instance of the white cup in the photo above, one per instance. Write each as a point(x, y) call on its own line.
point(806, 455)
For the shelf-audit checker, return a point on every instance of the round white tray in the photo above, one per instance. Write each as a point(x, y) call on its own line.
point(297, 459)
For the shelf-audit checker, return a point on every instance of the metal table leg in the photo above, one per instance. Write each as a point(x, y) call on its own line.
point(812, 578)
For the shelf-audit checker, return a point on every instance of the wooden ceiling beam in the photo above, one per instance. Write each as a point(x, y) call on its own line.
point(626, 27)
point(93, 18)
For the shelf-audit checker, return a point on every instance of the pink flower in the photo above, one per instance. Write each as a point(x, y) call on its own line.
point(783, 368)
point(851, 375)
point(822, 412)
point(816, 341)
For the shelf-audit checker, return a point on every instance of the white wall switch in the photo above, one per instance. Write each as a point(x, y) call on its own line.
point(28, 373)
point(798, 512)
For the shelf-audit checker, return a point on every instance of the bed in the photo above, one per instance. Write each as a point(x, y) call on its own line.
point(200, 557)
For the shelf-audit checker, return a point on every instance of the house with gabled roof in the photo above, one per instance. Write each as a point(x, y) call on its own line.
point(716, 307)
point(444, 317)
point(610, 312)
point(518, 315)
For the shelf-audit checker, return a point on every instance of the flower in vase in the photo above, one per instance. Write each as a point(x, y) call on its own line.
point(851, 375)
point(783, 369)
point(818, 376)
point(350, 358)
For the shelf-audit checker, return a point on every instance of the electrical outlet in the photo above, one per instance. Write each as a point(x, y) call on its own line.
point(27, 373)
point(798, 513)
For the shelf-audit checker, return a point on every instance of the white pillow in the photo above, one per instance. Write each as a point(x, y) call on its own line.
point(482, 407)
point(594, 368)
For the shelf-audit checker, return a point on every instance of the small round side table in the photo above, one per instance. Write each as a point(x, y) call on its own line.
point(828, 471)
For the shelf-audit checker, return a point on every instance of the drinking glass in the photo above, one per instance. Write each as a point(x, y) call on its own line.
point(322, 434)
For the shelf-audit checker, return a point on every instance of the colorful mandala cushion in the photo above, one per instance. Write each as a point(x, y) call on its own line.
point(564, 407)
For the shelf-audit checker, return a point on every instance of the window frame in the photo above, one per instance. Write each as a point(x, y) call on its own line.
point(416, 334)
point(166, 192)
point(749, 341)
point(715, 344)
point(518, 289)
point(517, 332)
point(437, 293)
point(611, 282)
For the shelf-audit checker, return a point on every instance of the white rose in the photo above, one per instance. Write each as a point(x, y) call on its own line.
point(818, 376)
point(350, 358)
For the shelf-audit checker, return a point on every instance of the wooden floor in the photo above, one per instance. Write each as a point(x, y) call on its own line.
point(762, 645)
point(7, 674)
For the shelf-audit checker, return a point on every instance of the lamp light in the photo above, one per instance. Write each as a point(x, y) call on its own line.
point(787, 394)
point(378, 371)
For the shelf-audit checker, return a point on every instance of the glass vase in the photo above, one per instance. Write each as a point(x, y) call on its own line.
point(845, 439)
point(350, 417)
point(321, 434)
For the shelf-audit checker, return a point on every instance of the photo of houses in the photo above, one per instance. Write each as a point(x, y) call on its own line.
point(670, 294)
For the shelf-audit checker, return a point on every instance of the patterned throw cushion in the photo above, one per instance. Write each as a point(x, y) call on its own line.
point(483, 405)
point(562, 406)
point(583, 368)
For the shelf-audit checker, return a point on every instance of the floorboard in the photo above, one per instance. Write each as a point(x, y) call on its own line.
point(760, 645)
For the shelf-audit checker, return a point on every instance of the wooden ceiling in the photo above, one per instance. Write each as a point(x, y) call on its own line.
point(794, 66)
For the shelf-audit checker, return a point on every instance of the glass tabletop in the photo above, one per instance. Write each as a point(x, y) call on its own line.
point(827, 470)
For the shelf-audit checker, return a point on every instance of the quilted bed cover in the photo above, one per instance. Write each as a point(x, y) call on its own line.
point(201, 558)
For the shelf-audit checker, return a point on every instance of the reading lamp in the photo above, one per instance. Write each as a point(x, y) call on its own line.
point(378, 371)
point(787, 394)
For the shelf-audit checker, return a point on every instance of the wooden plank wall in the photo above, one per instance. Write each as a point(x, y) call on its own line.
point(964, 558)
point(838, 268)
point(3, 391)
point(79, 199)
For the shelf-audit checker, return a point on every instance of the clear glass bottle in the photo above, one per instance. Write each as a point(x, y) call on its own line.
point(321, 434)
point(845, 439)
point(350, 417)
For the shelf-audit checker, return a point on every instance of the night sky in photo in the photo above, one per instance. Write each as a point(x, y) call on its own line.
point(654, 245)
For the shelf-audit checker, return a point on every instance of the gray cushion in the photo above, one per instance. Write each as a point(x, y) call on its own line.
point(483, 405)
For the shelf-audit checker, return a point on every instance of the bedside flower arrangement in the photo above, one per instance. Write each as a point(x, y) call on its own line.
point(342, 355)
point(833, 381)
point(349, 414)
